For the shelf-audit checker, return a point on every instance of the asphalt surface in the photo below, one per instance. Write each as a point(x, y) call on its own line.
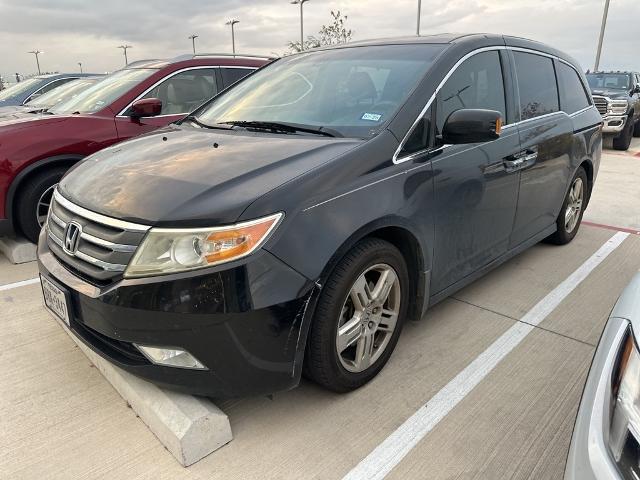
point(485, 386)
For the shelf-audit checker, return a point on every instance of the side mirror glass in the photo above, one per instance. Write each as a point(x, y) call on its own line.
point(472, 126)
point(146, 107)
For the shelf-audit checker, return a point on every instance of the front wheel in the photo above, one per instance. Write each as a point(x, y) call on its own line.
point(33, 202)
point(359, 316)
point(623, 141)
point(570, 217)
point(636, 130)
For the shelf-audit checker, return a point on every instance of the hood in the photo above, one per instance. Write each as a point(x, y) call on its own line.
point(614, 94)
point(187, 176)
point(12, 113)
point(19, 120)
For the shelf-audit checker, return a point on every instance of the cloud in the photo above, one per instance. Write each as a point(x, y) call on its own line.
point(70, 31)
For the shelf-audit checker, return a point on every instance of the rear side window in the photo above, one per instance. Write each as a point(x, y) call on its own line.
point(477, 83)
point(537, 85)
point(232, 75)
point(185, 91)
point(572, 94)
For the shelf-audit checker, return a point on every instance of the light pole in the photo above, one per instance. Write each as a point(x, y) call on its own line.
point(80, 65)
point(301, 3)
point(419, 13)
point(193, 41)
point(36, 53)
point(604, 24)
point(124, 49)
point(232, 22)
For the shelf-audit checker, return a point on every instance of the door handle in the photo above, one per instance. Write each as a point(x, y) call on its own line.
point(520, 160)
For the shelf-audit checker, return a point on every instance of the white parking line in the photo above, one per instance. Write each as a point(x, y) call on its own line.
point(397, 445)
point(22, 283)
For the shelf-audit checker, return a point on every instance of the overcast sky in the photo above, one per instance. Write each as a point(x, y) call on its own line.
point(88, 31)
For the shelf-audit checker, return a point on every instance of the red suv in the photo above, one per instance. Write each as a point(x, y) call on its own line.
point(35, 152)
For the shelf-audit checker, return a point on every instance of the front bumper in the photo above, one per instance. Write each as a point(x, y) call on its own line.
point(589, 457)
point(247, 323)
point(612, 124)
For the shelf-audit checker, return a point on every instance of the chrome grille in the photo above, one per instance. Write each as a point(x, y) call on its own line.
point(602, 104)
point(105, 245)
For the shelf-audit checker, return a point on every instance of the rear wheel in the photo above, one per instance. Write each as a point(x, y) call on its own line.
point(359, 316)
point(33, 199)
point(623, 141)
point(570, 217)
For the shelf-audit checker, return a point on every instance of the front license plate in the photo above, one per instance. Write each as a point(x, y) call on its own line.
point(55, 299)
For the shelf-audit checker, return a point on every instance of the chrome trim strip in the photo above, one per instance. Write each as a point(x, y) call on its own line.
point(57, 220)
point(97, 217)
point(115, 247)
point(173, 74)
point(109, 267)
point(55, 239)
point(583, 110)
point(397, 160)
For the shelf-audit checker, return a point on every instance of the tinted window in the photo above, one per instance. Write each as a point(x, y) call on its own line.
point(185, 91)
point(477, 83)
point(354, 91)
point(419, 138)
point(537, 85)
point(55, 84)
point(232, 75)
point(572, 94)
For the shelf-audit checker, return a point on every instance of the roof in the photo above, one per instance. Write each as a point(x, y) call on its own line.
point(627, 72)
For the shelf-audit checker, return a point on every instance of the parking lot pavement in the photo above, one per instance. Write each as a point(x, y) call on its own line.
point(61, 419)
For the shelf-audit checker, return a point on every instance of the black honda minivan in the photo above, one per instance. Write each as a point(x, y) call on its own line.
point(294, 222)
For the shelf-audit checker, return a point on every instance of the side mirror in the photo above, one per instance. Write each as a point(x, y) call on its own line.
point(636, 89)
point(146, 107)
point(471, 126)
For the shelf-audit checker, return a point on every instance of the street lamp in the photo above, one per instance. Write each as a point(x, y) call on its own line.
point(36, 53)
point(301, 3)
point(418, 23)
point(80, 65)
point(124, 49)
point(604, 24)
point(232, 22)
point(193, 41)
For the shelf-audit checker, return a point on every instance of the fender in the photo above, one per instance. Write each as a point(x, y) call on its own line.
point(24, 173)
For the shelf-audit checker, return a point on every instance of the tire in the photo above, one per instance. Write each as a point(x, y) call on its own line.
point(623, 141)
point(636, 130)
point(566, 230)
point(367, 262)
point(37, 188)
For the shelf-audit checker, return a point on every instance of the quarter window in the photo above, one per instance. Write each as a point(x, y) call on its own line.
point(572, 94)
point(537, 85)
point(477, 83)
point(185, 91)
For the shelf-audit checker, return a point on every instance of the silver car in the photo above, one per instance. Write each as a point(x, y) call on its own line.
point(606, 437)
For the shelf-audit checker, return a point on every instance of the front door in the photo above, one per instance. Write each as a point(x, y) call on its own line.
point(475, 189)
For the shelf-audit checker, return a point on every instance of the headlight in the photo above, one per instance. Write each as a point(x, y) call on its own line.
point(624, 436)
point(168, 250)
point(619, 107)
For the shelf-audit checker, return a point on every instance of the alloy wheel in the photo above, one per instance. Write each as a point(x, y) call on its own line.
point(368, 318)
point(574, 206)
point(42, 209)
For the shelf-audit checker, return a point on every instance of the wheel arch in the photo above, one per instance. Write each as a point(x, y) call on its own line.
point(403, 236)
point(587, 165)
point(28, 172)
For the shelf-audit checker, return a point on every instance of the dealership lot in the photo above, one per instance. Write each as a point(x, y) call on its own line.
point(61, 419)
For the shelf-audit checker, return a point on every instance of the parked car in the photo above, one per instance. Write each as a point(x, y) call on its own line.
point(37, 151)
point(45, 101)
point(21, 93)
point(297, 220)
point(617, 97)
point(606, 437)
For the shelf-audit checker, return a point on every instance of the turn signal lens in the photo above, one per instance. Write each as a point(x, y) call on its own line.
point(498, 126)
point(166, 250)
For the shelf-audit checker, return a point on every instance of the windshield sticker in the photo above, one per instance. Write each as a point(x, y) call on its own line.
point(374, 117)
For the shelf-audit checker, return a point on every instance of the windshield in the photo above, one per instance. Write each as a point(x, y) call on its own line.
point(104, 92)
point(613, 81)
point(353, 91)
point(20, 88)
point(62, 93)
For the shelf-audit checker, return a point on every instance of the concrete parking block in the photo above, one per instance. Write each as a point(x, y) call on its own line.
point(189, 427)
point(17, 250)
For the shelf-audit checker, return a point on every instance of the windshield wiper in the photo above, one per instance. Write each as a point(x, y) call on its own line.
point(285, 127)
point(197, 122)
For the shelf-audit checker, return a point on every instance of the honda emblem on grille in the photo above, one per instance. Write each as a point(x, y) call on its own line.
point(72, 237)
